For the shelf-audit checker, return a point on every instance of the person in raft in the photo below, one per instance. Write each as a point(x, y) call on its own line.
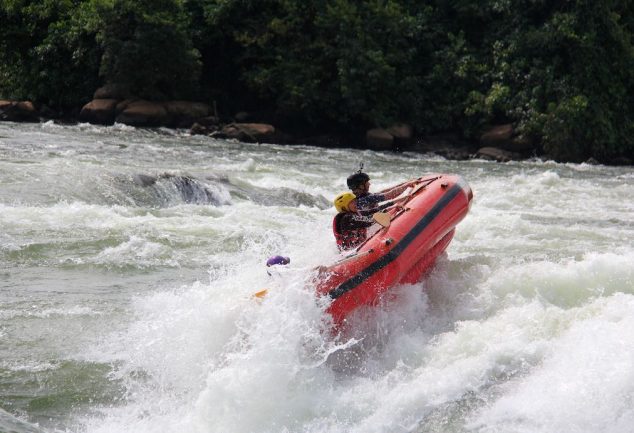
point(350, 226)
point(355, 209)
point(359, 184)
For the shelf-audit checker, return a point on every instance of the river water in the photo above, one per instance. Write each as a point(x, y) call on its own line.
point(129, 257)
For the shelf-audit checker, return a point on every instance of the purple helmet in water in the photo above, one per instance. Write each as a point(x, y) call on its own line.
point(278, 260)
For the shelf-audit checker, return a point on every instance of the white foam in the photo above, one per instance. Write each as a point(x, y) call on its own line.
point(584, 383)
point(138, 252)
point(37, 312)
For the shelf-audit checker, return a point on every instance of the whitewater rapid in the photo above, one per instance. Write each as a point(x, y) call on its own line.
point(129, 257)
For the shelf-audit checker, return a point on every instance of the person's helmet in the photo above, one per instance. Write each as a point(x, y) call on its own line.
point(277, 260)
point(343, 200)
point(356, 179)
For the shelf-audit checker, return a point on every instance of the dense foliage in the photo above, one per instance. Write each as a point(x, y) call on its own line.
point(560, 71)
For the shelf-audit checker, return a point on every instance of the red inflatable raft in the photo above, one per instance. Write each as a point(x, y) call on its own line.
point(421, 227)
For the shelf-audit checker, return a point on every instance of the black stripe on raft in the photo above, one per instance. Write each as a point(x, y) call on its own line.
point(395, 252)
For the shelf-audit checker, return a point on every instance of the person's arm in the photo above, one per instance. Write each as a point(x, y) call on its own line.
point(387, 204)
point(397, 190)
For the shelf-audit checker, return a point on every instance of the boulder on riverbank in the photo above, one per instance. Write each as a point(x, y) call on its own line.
point(111, 103)
point(403, 134)
point(248, 132)
point(144, 113)
point(18, 111)
point(397, 137)
point(111, 91)
point(139, 112)
point(99, 111)
point(447, 145)
point(379, 139)
point(506, 137)
point(496, 154)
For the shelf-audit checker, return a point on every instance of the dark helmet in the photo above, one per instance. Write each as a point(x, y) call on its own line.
point(356, 179)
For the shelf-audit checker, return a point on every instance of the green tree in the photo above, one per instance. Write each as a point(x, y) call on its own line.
point(337, 62)
point(147, 47)
point(45, 56)
point(561, 71)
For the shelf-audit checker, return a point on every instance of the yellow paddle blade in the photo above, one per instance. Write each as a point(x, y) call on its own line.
point(382, 218)
point(261, 294)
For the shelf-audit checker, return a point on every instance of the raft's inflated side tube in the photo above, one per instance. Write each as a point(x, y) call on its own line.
point(421, 229)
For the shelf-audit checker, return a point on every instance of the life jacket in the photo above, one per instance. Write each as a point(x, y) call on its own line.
point(348, 239)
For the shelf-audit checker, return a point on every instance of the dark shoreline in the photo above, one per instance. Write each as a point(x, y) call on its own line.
point(498, 144)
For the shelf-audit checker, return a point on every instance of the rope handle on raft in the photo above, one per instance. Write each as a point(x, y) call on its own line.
point(396, 207)
point(350, 257)
point(422, 184)
point(417, 180)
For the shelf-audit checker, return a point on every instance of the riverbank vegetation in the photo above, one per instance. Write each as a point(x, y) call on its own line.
point(562, 72)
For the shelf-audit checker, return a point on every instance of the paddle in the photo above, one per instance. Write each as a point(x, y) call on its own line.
point(382, 218)
point(261, 294)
